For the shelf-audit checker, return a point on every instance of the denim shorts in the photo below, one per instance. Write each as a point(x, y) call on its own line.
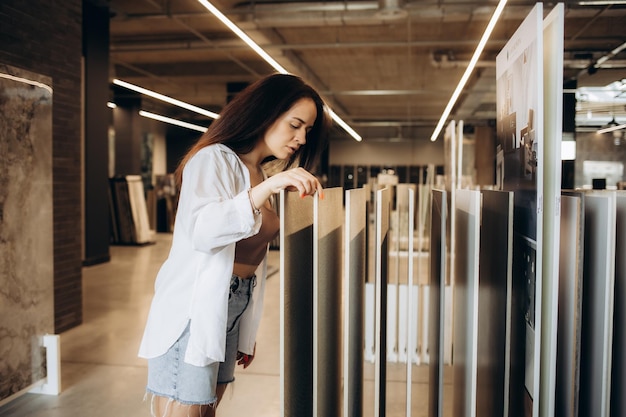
point(170, 377)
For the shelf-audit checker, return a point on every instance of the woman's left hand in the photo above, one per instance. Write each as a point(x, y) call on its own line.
point(245, 359)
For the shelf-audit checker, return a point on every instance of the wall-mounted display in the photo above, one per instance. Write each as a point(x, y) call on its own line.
point(26, 224)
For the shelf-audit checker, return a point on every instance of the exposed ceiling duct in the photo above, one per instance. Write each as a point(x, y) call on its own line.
point(391, 9)
point(379, 63)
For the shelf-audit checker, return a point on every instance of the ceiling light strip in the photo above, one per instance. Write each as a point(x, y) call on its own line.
point(171, 121)
point(244, 37)
point(256, 48)
point(166, 99)
point(470, 68)
point(601, 2)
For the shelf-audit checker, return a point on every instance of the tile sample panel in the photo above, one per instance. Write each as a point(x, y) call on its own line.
point(296, 305)
point(570, 305)
point(26, 245)
point(381, 254)
point(467, 238)
point(327, 268)
point(354, 307)
point(597, 308)
point(439, 214)
point(494, 303)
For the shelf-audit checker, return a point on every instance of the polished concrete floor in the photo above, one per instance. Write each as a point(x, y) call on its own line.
point(102, 375)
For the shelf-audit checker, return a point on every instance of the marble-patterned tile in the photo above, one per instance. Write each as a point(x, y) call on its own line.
point(26, 257)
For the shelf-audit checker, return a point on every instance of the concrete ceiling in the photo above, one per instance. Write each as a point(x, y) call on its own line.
point(388, 67)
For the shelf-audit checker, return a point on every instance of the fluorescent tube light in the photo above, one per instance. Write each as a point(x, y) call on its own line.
point(601, 2)
point(256, 48)
point(166, 99)
point(172, 121)
point(470, 68)
point(111, 105)
point(243, 36)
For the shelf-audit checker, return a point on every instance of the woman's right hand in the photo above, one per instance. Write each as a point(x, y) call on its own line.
point(295, 179)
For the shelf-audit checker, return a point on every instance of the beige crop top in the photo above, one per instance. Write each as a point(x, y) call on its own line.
point(252, 250)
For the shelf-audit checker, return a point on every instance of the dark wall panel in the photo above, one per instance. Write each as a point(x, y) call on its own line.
point(45, 37)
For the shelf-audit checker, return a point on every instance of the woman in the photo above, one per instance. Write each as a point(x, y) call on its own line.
point(209, 292)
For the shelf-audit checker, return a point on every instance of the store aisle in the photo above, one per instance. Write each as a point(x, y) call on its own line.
point(103, 377)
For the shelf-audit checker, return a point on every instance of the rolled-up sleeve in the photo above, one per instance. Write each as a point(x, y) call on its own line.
point(214, 199)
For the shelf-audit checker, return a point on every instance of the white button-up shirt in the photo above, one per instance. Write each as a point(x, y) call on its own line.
point(213, 213)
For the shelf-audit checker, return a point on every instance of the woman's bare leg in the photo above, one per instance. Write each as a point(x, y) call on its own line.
point(166, 407)
point(221, 388)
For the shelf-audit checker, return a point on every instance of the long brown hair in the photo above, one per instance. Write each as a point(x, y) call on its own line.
point(244, 121)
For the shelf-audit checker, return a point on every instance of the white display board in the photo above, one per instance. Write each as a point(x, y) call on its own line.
point(553, 34)
point(520, 156)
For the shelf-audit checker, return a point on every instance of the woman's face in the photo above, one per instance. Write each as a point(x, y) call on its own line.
point(288, 132)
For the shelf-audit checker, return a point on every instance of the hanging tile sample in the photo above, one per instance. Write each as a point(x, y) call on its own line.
point(381, 254)
point(327, 270)
point(296, 305)
point(439, 214)
point(597, 308)
point(355, 246)
point(467, 231)
point(570, 305)
point(618, 384)
point(310, 314)
point(494, 303)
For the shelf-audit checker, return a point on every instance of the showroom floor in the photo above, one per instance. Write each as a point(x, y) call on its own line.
point(102, 375)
